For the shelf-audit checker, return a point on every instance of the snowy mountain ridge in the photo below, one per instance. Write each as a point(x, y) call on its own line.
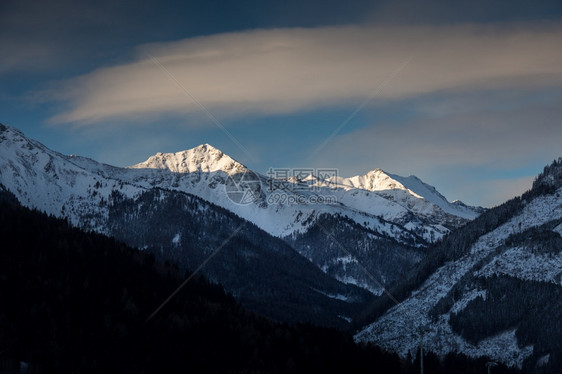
point(83, 191)
point(407, 191)
point(203, 171)
point(49, 181)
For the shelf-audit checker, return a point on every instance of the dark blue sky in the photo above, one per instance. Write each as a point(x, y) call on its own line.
point(466, 95)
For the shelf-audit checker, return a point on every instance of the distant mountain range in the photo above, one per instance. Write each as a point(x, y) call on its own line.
point(75, 301)
point(316, 247)
point(299, 247)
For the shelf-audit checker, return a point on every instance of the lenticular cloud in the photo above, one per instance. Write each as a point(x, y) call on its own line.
point(265, 72)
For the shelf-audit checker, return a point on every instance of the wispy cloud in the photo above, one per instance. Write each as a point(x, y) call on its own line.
point(505, 137)
point(474, 149)
point(265, 72)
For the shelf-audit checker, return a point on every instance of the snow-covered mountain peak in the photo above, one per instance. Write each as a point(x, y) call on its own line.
point(4, 128)
point(410, 191)
point(11, 133)
point(374, 180)
point(13, 139)
point(206, 147)
point(203, 158)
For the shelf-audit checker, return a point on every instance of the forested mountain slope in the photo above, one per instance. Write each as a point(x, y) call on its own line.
point(73, 302)
point(492, 288)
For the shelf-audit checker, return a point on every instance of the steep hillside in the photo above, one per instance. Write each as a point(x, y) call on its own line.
point(354, 254)
point(491, 288)
point(264, 273)
point(78, 302)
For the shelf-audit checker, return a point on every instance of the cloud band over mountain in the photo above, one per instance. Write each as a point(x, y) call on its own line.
point(274, 71)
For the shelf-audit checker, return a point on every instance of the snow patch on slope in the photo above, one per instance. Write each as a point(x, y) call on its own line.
point(459, 305)
point(521, 263)
point(332, 296)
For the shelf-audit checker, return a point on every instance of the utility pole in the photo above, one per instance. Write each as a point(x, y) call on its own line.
point(490, 365)
point(422, 330)
point(421, 352)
